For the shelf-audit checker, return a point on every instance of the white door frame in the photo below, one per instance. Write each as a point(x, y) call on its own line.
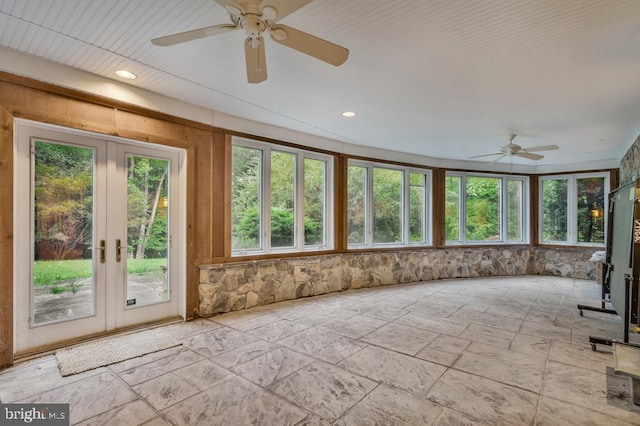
point(24, 130)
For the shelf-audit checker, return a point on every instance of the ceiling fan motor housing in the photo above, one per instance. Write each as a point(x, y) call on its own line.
point(252, 25)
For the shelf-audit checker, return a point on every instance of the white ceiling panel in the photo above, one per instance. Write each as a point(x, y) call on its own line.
point(444, 78)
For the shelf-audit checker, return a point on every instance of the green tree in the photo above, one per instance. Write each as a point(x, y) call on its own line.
point(63, 199)
point(146, 186)
point(314, 201)
point(482, 208)
point(356, 189)
point(452, 208)
point(554, 209)
point(245, 193)
point(387, 205)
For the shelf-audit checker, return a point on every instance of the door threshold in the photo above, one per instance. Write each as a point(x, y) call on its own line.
point(51, 349)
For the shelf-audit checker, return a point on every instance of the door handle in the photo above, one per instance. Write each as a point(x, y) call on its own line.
point(118, 250)
point(102, 248)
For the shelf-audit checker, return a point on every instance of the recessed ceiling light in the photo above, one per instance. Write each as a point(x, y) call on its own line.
point(348, 114)
point(128, 75)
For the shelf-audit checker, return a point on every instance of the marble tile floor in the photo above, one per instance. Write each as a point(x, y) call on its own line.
point(487, 351)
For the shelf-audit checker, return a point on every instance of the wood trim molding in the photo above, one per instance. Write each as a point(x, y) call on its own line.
point(6, 237)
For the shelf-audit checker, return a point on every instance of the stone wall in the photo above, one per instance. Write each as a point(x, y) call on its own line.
point(235, 286)
point(563, 262)
point(630, 163)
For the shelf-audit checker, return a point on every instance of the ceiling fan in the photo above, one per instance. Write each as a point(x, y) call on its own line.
point(515, 150)
point(256, 17)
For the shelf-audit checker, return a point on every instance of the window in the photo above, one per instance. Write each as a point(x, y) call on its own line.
point(387, 205)
point(280, 199)
point(573, 209)
point(485, 208)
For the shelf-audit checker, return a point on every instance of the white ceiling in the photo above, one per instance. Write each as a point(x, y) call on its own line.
point(443, 78)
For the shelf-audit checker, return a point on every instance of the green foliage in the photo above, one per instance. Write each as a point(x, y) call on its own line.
point(452, 208)
point(64, 202)
point(482, 208)
point(554, 209)
point(48, 272)
point(356, 178)
point(66, 273)
point(245, 193)
point(57, 290)
point(281, 228)
point(157, 243)
point(63, 199)
point(314, 201)
point(417, 195)
point(147, 224)
point(387, 205)
point(590, 200)
point(282, 224)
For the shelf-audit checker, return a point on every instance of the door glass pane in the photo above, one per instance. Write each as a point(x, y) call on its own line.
point(283, 168)
point(147, 247)
point(63, 285)
point(314, 202)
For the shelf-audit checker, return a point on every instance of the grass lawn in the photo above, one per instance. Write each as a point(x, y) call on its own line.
point(51, 272)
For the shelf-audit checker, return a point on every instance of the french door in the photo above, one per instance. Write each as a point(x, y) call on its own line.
point(99, 235)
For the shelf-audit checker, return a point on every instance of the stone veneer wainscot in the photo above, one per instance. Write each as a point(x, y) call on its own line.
point(243, 285)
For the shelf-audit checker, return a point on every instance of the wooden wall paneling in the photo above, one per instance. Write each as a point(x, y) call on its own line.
point(192, 272)
point(147, 129)
point(438, 208)
point(217, 183)
point(31, 104)
point(200, 194)
point(614, 179)
point(534, 204)
point(223, 162)
point(6, 237)
point(340, 164)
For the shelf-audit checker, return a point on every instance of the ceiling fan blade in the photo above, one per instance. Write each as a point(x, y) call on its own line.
point(486, 155)
point(499, 158)
point(285, 7)
point(309, 45)
point(541, 148)
point(529, 155)
point(256, 60)
point(177, 38)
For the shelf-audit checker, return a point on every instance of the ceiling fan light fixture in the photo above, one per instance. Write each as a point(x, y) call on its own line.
point(348, 114)
point(127, 75)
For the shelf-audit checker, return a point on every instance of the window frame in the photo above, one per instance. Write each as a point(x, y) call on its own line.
point(503, 206)
point(427, 221)
point(264, 200)
point(572, 207)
